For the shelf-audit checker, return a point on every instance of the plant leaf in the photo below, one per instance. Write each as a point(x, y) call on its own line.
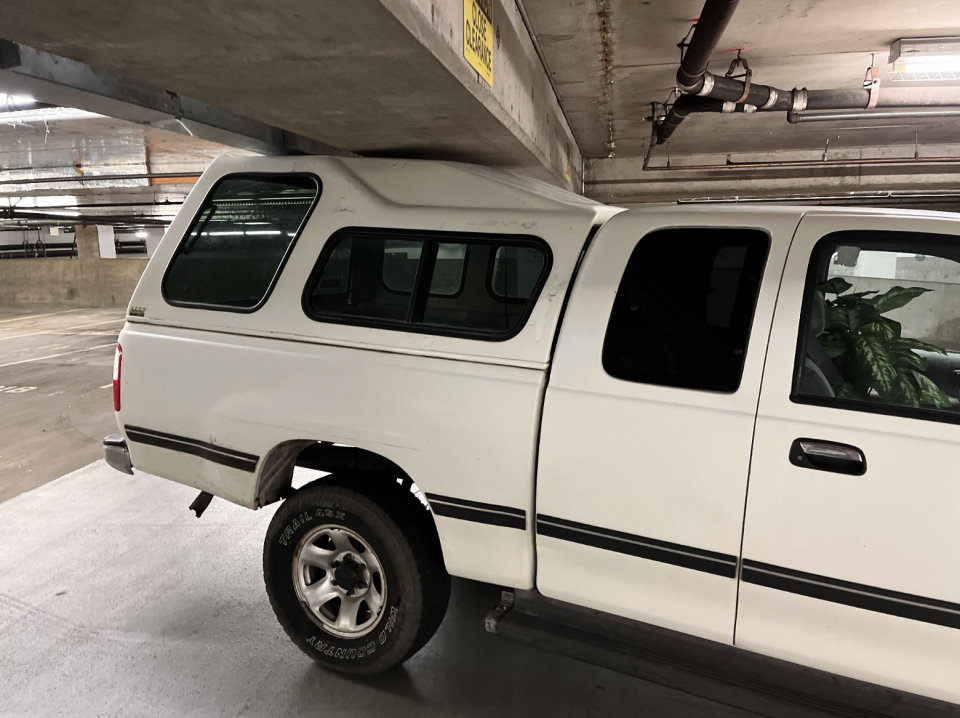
point(908, 360)
point(839, 317)
point(850, 317)
point(909, 393)
point(881, 330)
point(869, 351)
point(930, 393)
point(895, 298)
point(875, 362)
point(893, 324)
point(849, 391)
point(907, 343)
point(837, 285)
point(854, 297)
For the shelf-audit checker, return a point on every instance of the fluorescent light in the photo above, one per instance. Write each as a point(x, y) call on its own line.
point(142, 234)
point(15, 100)
point(240, 234)
point(46, 114)
point(926, 58)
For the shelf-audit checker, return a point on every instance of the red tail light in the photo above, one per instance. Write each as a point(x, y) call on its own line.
point(117, 361)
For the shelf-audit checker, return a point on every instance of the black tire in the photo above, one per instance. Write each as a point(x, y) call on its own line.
point(418, 586)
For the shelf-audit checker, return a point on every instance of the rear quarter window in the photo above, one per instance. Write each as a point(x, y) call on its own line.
point(237, 245)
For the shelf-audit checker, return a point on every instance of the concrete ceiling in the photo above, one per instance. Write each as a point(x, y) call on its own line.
point(76, 150)
point(611, 58)
point(369, 80)
point(352, 75)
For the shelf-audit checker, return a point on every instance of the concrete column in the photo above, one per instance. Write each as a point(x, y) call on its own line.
point(88, 243)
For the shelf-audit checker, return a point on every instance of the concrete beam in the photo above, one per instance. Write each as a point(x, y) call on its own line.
point(522, 96)
point(383, 77)
point(68, 83)
point(769, 174)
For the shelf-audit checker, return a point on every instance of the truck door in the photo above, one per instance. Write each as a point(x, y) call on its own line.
point(649, 414)
point(850, 558)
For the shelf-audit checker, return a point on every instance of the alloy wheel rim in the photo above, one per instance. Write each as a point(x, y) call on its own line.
point(340, 581)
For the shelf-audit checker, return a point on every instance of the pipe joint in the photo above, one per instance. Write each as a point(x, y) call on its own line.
point(696, 88)
point(708, 83)
point(771, 99)
point(799, 100)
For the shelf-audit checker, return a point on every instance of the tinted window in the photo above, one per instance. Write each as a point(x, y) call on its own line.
point(516, 271)
point(235, 247)
point(400, 260)
point(881, 322)
point(465, 285)
point(684, 307)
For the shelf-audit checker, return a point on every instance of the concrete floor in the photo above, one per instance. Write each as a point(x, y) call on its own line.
point(56, 401)
point(116, 601)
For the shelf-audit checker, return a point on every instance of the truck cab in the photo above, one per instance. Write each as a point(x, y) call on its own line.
point(734, 423)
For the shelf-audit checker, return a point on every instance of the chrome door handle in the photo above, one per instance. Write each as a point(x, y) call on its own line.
point(828, 456)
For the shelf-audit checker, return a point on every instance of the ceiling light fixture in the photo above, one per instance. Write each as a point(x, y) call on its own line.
point(142, 234)
point(46, 114)
point(925, 58)
point(15, 100)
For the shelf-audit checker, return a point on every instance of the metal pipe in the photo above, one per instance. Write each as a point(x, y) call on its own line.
point(155, 203)
point(730, 90)
point(694, 81)
point(653, 136)
point(686, 105)
point(795, 117)
point(103, 178)
point(792, 163)
point(915, 196)
point(29, 216)
point(711, 24)
point(838, 99)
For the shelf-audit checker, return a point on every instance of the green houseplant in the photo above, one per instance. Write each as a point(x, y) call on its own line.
point(875, 361)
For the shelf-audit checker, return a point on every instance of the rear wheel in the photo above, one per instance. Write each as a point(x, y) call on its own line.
point(356, 589)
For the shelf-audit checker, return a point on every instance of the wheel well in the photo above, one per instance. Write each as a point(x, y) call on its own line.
point(354, 468)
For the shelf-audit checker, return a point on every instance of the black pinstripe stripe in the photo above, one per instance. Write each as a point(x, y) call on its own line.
point(210, 452)
point(698, 559)
point(478, 512)
point(857, 595)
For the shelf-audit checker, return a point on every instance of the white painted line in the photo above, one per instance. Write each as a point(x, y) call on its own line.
point(107, 386)
point(54, 356)
point(52, 331)
point(37, 316)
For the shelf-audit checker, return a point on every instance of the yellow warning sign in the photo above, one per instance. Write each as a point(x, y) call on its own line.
point(478, 37)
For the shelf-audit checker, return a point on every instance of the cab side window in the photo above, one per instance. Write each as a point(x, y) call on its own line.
point(880, 329)
point(684, 308)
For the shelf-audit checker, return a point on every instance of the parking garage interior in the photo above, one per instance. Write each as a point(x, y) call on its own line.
point(114, 599)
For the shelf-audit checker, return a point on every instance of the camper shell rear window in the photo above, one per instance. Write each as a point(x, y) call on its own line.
point(236, 247)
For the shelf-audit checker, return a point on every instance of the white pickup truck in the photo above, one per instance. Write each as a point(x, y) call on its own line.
point(739, 424)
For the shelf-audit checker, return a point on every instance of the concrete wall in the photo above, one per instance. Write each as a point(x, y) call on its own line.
point(87, 281)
